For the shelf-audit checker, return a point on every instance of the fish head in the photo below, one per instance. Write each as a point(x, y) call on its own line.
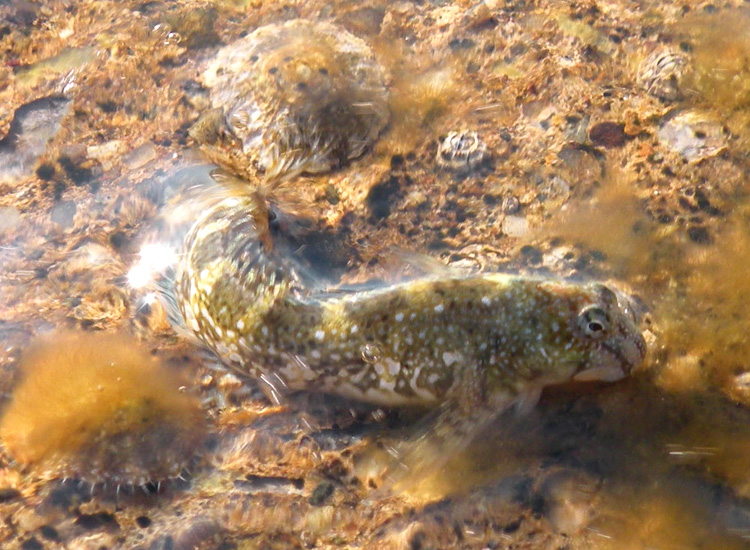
point(549, 331)
point(607, 341)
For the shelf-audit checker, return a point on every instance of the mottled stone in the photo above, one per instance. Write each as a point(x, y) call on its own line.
point(297, 97)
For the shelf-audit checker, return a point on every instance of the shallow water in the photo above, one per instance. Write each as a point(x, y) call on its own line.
point(615, 147)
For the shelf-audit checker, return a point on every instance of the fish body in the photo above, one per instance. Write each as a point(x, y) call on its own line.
point(466, 339)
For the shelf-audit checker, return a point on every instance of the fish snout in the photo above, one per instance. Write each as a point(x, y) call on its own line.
point(632, 352)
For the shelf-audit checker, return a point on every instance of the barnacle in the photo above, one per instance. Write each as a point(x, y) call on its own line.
point(461, 151)
point(296, 97)
point(661, 73)
point(98, 408)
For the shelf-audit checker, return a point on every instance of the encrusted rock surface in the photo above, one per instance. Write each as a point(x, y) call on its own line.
point(617, 147)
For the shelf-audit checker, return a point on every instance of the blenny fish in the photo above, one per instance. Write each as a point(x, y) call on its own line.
point(466, 339)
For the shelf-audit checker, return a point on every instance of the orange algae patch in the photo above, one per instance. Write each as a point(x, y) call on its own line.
point(98, 407)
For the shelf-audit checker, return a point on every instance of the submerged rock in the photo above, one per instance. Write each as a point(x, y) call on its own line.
point(34, 125)
point(295, 97)
point(693, 134)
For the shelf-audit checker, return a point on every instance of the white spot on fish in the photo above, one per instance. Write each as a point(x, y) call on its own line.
point(439, 308)
point(450, 357)
point(319, 335)
point(394, 367)
point(486, 300)
point(399, 317)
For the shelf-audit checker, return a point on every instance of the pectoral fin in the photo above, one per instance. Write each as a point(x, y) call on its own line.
point(525, 402)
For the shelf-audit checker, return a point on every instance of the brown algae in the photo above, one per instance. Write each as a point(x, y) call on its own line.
point(297, 97)
point(97, 407)
point(720, 71)
point(629, 243)
point(715, 289)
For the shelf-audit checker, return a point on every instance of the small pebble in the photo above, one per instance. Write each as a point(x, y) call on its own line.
point(695, 135)
point(568, 501)
point(195, 27)
point(8, 493)
point(63, 213)
point(608, 134)
point(332, 194)
point(321, 493)
point(139, 156)
point(33, 126)
point(739, 387)
point(515, 226)
point(510, 205)
point(10, 219)
point(104, 152)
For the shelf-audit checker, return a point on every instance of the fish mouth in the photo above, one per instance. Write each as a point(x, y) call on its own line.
point(630, 347)
point(617, 361)
point(629, 352)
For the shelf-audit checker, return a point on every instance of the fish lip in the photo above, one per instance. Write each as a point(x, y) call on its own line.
point(629, 354)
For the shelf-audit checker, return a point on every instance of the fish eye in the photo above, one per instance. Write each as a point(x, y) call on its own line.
point(593, 321)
